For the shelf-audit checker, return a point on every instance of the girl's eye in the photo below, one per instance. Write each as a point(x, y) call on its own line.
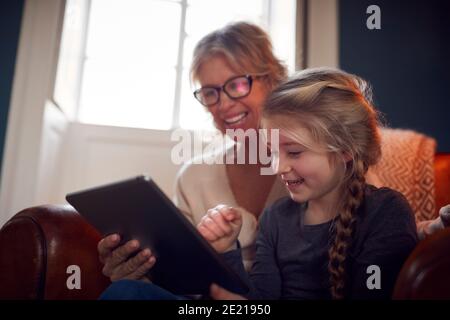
point(294, 153)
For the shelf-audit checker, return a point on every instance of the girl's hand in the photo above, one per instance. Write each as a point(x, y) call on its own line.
point(218, 293)
point(220, 227)
point(117, 260)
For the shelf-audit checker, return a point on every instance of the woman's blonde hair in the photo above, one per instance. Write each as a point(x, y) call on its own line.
point(336, 108)
point(245, 46)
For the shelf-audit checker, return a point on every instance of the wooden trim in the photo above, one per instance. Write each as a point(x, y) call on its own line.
point(322, 34)
point(301, 35)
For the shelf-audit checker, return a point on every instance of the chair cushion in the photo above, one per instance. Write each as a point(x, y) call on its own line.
point(442, 179)
point(407, 165)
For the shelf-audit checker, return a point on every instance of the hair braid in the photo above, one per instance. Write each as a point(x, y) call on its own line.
point(344, 225)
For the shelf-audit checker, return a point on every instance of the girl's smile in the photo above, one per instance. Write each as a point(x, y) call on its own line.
point(292, 185)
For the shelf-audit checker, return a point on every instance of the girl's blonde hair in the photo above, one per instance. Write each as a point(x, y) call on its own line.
point(336, 108)
point(245, 46)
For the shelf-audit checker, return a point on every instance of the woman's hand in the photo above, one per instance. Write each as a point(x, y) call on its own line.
point(429, 227)
point(218, 293)
point(221, 226)
point(117, 262)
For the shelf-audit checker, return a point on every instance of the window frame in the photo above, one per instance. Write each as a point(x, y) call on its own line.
point(270, 21)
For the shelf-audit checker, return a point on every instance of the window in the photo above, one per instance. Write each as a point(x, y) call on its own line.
point(135, 70)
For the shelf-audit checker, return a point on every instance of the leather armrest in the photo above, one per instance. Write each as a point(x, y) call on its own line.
point(425, 274)
point(37, 246)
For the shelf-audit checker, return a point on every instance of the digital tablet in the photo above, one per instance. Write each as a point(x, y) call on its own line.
point(137, 209)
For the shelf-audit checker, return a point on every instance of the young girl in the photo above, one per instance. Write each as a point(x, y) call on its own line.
point(335, 236)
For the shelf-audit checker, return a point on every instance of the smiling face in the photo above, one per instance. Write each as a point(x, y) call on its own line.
point(309, 174)
point(243, 113)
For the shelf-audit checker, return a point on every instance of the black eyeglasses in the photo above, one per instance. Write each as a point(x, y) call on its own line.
point(235, 88)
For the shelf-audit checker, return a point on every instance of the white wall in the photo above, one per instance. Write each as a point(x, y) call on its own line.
point(53, 143)
point(101, 154)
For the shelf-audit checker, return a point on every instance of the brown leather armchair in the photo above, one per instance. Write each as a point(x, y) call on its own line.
point(38, 244)
point(425, 274)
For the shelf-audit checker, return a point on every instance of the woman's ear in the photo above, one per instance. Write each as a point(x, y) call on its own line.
point(346, 156)
point(268, 83)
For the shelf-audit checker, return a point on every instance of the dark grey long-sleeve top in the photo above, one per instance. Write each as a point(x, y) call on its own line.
point(292, 258)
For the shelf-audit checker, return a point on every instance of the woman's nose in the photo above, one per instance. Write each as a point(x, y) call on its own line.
point(225, 101)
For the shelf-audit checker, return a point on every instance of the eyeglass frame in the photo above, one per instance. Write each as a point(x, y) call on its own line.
point(218, 89)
